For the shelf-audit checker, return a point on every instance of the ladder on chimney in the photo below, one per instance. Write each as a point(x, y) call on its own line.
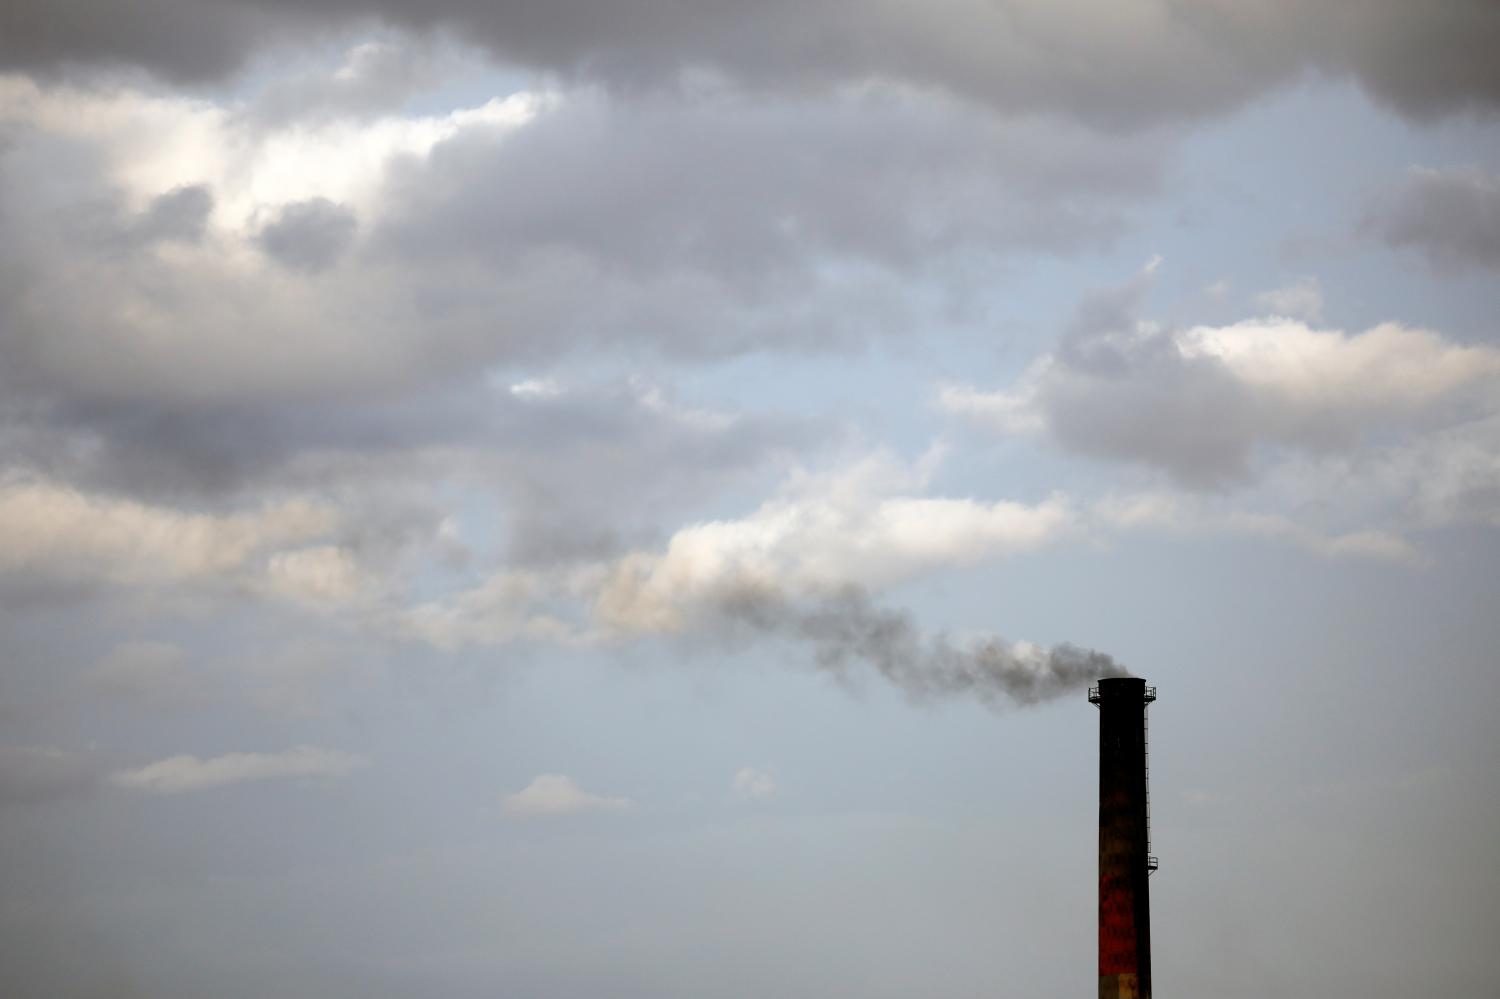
point(1151, 862)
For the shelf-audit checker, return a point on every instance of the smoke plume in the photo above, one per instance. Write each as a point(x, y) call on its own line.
point(846, 628)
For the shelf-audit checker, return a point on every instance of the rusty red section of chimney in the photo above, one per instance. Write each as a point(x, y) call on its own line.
point(1125, 860)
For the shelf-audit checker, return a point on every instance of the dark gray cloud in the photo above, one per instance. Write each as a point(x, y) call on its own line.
point(577, 471)
point(186, 41)
point(1137, 395)
point(593, 470)
point(1097, 335)
point(180, 214)
point(1119, 392)
point(1451, 215)
point(1423, 59)
point(695, 230)
point(1148, 403)
point(1108, 62)
point(172, 411)
point(308, 235)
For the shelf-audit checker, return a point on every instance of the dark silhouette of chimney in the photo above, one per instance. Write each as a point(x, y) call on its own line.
point(1125, 860)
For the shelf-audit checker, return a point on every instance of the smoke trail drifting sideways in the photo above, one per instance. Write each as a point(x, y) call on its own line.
point(845, 627)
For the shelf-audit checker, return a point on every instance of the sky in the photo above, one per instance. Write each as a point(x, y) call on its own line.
point(627, 499)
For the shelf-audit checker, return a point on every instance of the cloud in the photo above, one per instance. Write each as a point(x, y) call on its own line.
point(347, 360)
point(808, 565)
point(50, 532)
point(150, 235)
point(644, 182)
point(1198, 403)
point(580, 474)
point(842, 628)
point(819, 542)
point(180, 214)
point(373, 77)
point(1173, 513)
point(556, 794)
point(308, 235)
point(796, 569)
point(189, 774)
point(1455, 474)
point(697, 236)
point(865, 521)
point(320, 576)
point(1113, 62)
point(1444, 478)
point(86, 172)
point(1302, 299)
point(590, 469)
point(751, 783)
point(1451, 215)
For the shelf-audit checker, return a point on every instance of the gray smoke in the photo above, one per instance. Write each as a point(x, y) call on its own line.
point(846, 628)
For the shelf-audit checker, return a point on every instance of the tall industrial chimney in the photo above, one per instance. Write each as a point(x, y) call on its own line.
point(1125, 859)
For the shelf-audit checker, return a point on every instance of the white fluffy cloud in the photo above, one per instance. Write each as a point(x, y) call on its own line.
point(113, 293)
point(1301, 299)
point(1177, 514)
point(52, 532)
point(752, 783)
point(151, 142)
point(321, 576)
point(510, 605)
point(187, 774)
point(868, 524)
point(557, 794)
point(855, 527)
point(812, 544)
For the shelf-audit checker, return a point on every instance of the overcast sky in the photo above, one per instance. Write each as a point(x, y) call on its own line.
point(626, 498)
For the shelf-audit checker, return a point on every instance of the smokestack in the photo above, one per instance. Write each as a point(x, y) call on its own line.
point(1125, 859)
